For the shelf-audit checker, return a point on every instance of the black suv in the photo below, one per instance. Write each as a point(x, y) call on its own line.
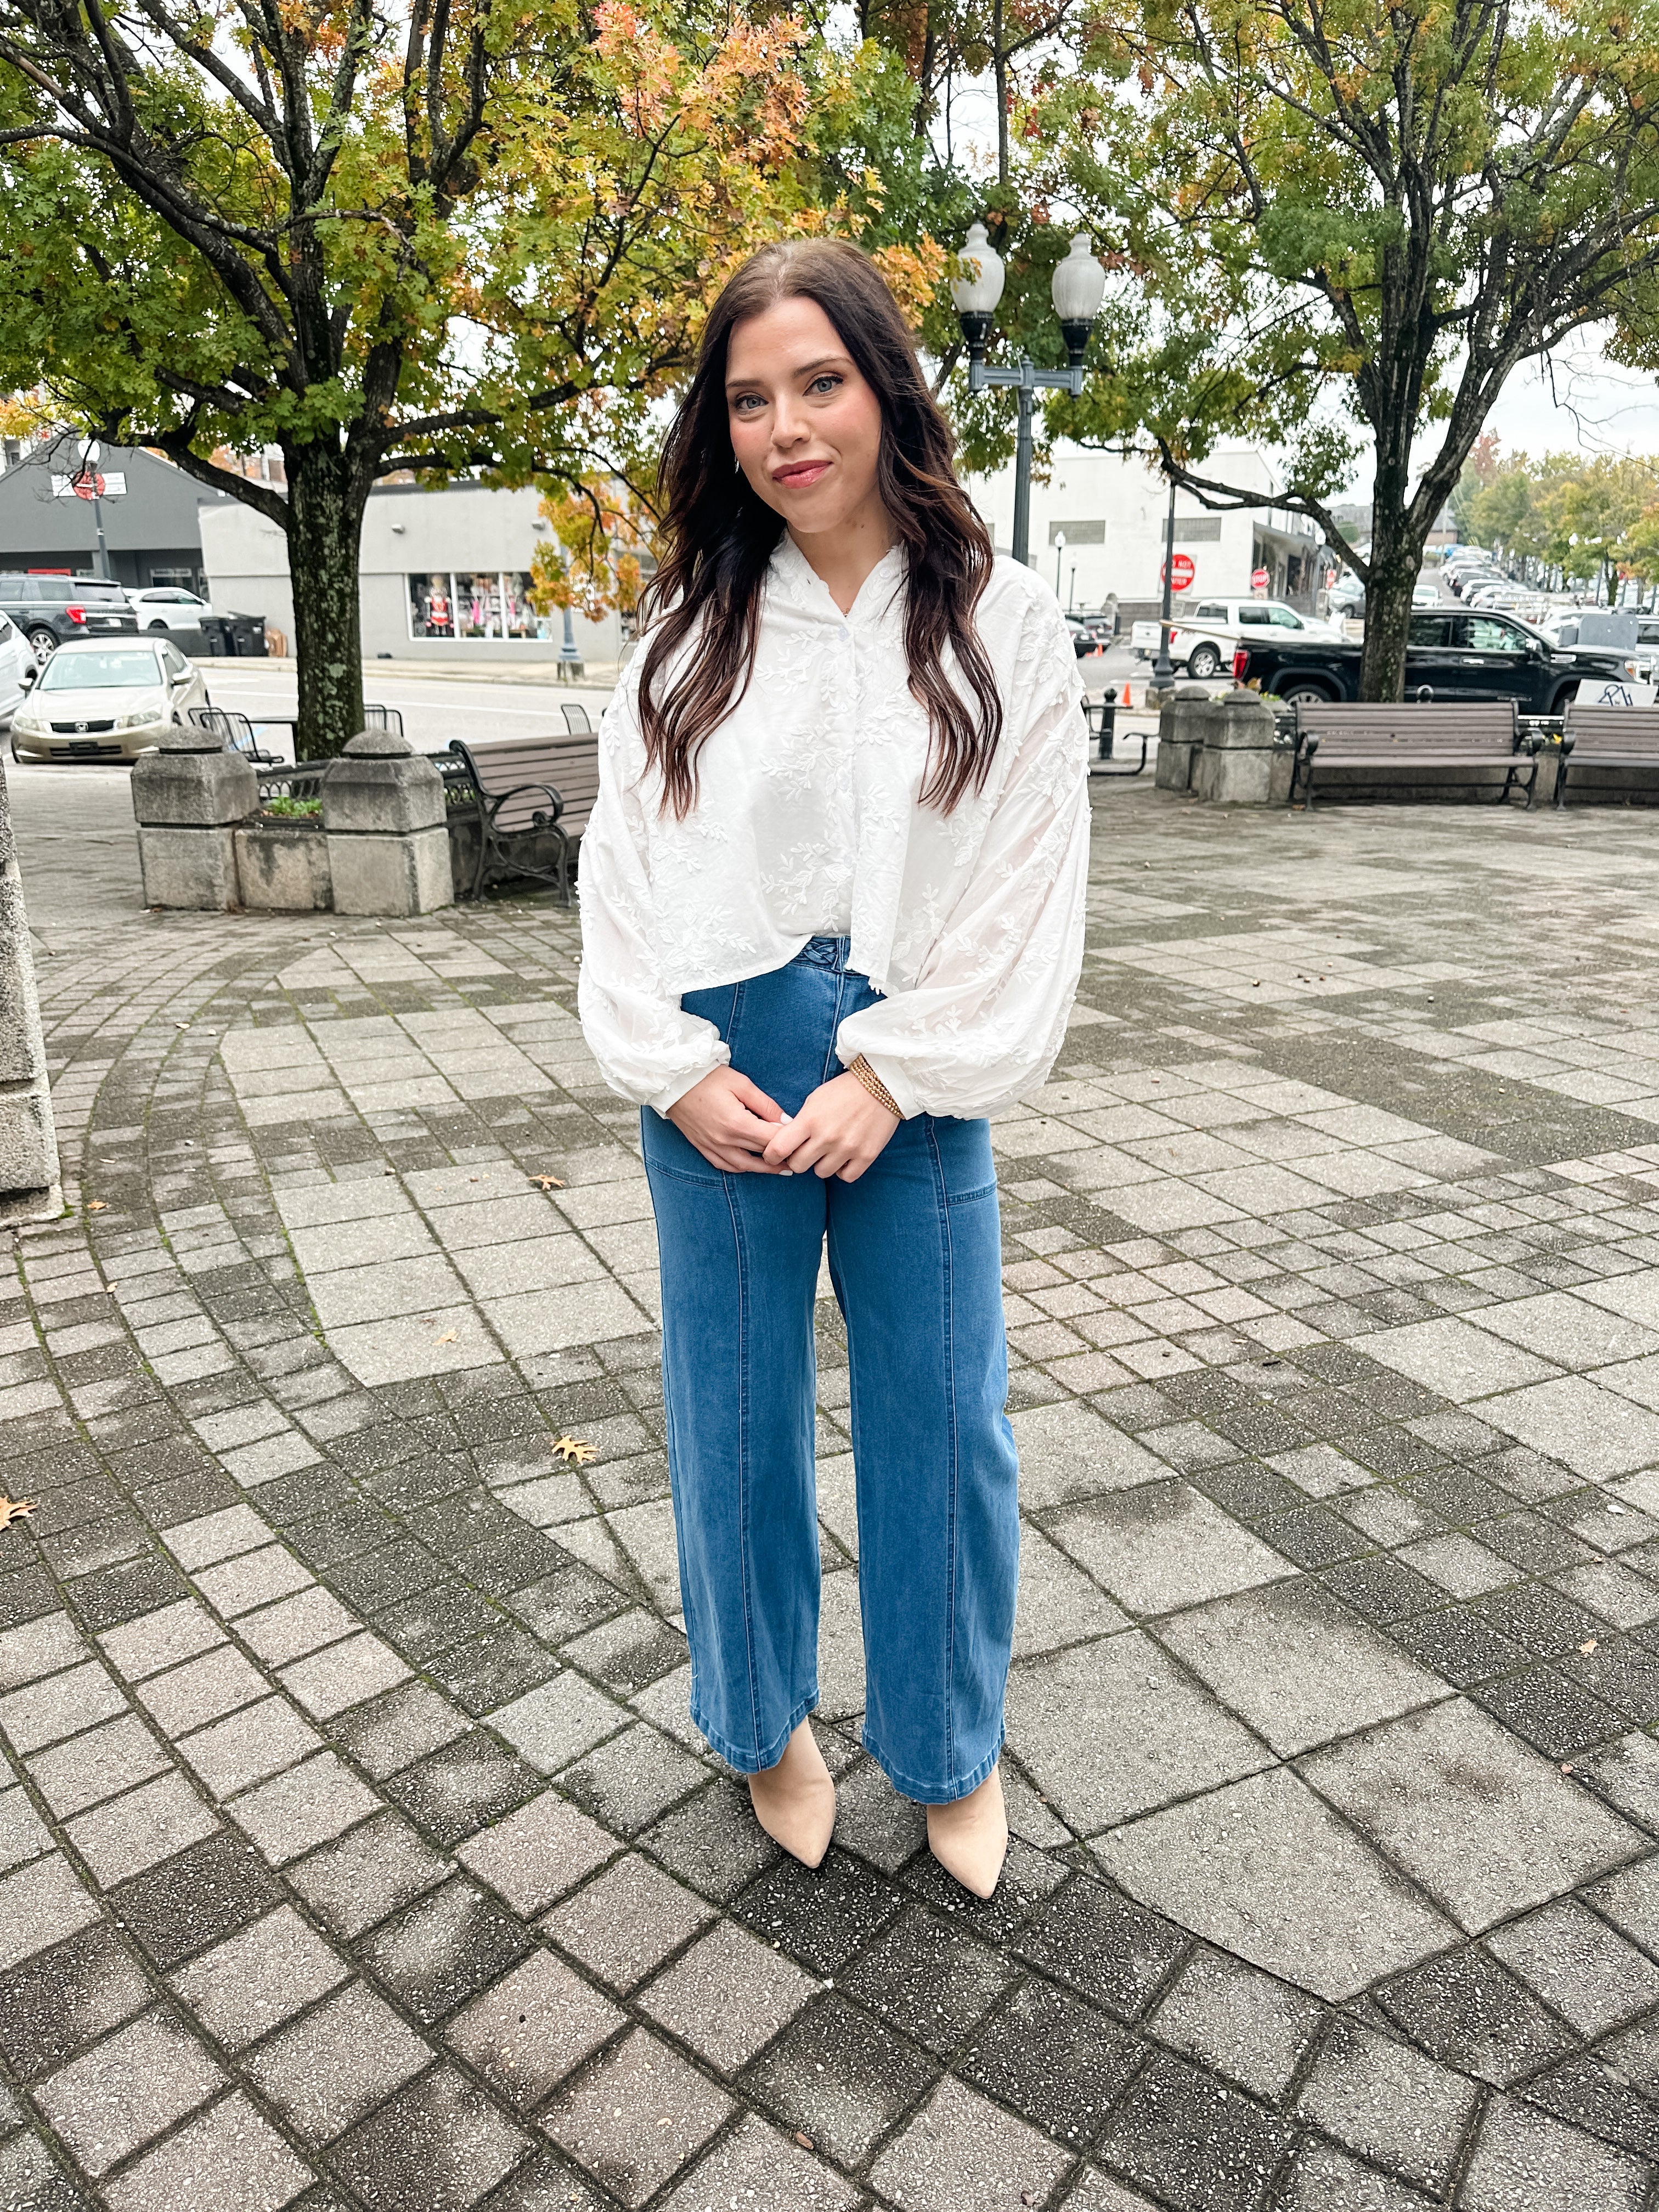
point(52, 609)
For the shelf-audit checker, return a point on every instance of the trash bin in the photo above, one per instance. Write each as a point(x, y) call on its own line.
point(247, 634)
point(216, 631)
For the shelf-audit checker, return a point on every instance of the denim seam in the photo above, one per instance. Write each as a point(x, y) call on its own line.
point(756, 1761)
point(943, 1201)
point(829, 1060)
point(743, 1452)
point(932, 1793)
point(710, 1182)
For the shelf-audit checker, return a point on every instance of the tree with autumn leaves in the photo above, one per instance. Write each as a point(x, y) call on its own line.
point(460, 236)
point(445, 235)
point(1351, 223)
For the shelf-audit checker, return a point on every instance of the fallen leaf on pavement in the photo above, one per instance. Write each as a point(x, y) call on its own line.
point(14, 1510)
point(548, 1182)
point(1587, 1647)
point(573, 1450)
point(97, 1205)
point(805, 2140)
point(449, 1336)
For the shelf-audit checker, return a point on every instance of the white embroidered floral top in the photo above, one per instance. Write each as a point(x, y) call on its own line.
point(806, 823)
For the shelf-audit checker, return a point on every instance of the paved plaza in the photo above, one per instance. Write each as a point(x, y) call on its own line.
point(355, 1849)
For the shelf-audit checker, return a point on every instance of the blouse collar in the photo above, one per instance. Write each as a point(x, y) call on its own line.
point(796, 580)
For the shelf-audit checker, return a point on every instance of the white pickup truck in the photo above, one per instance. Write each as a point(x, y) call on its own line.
point(1202, 636)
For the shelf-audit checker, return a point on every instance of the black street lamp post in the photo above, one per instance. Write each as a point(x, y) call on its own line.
point(1079, 285)
point(1164, 667)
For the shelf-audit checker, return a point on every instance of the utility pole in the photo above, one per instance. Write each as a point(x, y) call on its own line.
point(1164, 667)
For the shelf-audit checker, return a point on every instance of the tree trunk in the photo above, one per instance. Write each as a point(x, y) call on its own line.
point(1396, 559)
point(324, 532)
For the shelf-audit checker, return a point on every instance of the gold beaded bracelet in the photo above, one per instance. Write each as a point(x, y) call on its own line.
point(872, 1083)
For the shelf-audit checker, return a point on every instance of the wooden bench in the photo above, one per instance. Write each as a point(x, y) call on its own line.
point(1398, 740)
point(1607, 736)
point(525, 790)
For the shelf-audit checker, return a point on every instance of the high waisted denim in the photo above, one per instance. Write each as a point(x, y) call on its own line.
point(915, 1258)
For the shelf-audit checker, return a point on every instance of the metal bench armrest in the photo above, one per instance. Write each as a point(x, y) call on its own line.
point(494, 801)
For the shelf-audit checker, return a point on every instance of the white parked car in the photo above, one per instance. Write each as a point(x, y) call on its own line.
point(168, 606)
point(106, 699)
point(17, 665)
point(1206, 634)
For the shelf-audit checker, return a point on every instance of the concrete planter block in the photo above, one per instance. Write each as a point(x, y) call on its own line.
point(386, 818)
point(1256, 775)
point(1174, 768)
point(284, 871)
point(28, 1145)
point(1239, 720)
point(1183, 727)
point(20, 1018)
point(398, 875)
point(1242, 762)
point(381, 787)
point(193, 868)
point(28, 1151)
point(190, 779)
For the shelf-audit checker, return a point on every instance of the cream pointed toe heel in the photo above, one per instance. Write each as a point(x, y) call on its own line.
point(970, 1838)
point(795, 1801)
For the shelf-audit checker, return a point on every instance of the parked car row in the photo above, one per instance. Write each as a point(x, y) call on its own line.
point(52, 610)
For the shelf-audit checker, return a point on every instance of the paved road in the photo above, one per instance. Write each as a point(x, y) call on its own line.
point(357, 1850)
point(434, 709)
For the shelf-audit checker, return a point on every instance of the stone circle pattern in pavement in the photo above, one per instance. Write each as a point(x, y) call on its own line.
point(355, 1846)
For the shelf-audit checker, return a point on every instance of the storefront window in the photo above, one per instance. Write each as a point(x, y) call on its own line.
point(478, 603)
point(521, 620)
point(431, 606)
point(475, 605)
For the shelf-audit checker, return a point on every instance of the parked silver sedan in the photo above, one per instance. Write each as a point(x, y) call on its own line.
point(106, 700)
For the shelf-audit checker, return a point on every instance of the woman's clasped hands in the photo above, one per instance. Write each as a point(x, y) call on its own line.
point(839, 1131)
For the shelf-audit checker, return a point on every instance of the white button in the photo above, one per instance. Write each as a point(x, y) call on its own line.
point(845, 633)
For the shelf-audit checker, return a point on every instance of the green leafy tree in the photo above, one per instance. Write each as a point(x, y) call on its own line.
point(441, 235)
point(1594, 510)
point(1354, 223)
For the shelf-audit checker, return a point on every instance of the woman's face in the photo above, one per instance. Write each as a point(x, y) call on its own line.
point(806, 427)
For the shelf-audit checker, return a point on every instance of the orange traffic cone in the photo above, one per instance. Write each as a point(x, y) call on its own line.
point(1126, 701)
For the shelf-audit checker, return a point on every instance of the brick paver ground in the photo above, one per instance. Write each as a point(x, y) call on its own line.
point(355, 1847)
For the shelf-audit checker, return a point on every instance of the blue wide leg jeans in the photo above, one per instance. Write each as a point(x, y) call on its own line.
point(915, 1257)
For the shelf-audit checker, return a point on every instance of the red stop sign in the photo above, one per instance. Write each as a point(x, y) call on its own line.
point(1181, 571)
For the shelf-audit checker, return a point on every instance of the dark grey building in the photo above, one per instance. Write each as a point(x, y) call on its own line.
point(150, 525)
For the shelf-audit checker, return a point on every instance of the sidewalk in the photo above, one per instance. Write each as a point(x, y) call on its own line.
point(355, 1849)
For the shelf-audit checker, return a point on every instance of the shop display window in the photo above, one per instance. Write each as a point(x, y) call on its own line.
point(472, 605)
point(431, 606)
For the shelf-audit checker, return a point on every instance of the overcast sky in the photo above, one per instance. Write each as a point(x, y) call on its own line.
point(1579, 401)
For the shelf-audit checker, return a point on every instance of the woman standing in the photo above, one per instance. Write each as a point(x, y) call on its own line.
point(832, 917)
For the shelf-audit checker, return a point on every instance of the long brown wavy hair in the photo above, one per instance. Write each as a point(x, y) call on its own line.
point(719, 536)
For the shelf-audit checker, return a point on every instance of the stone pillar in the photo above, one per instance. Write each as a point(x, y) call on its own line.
point(28, 1145)
point(188, 795)
point(388, 843)
point(1244, 763)
point(1182, 720)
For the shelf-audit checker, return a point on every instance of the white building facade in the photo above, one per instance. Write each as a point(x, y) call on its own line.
point(1111, 514)
point(445, 576)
